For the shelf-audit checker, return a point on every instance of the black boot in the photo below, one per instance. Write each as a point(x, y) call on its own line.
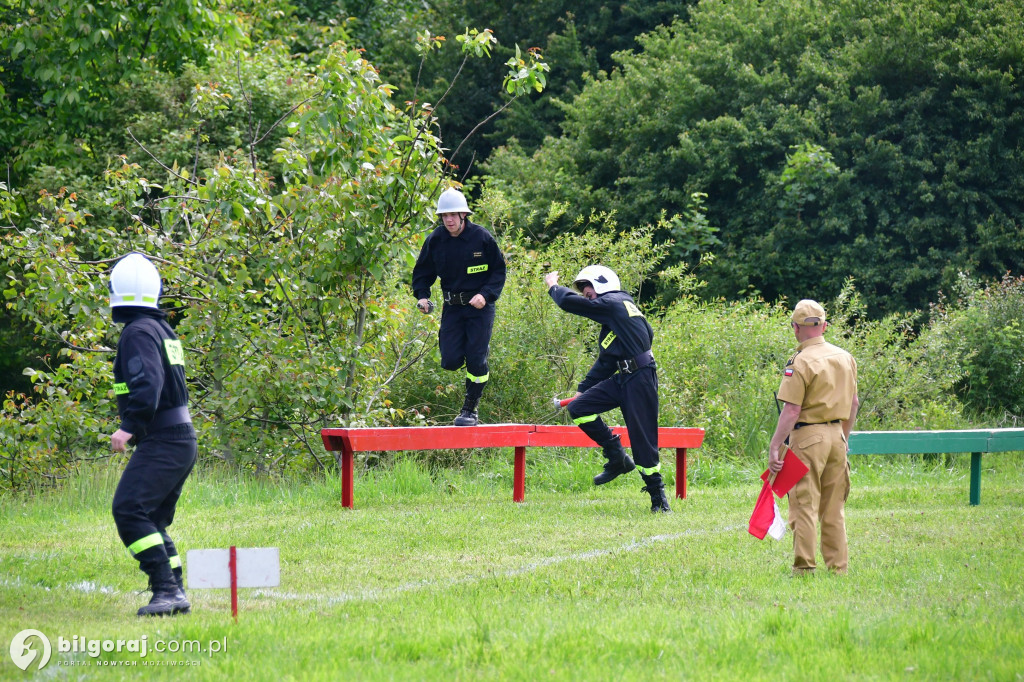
point(656, 489)
point(180, 579)
point(168, 598)
point(468, 417)
point(618, 461)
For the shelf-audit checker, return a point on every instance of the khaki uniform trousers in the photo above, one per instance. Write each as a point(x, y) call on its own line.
point(820, 496)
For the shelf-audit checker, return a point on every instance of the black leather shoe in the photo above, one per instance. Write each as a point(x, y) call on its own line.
point(166, 602)
point(179, 578)
point(659, 502)
point(466, 418)
point(613, 470)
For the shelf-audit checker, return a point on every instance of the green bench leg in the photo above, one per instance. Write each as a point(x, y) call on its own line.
point(975, 479)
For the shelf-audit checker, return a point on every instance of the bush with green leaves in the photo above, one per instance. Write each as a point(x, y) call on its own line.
point(718, 368)
point(721, 362)
point(980, 331)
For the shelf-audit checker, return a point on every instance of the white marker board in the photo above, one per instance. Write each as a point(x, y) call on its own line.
point(254, 567)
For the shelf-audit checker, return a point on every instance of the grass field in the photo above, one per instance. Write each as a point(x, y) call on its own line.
point(443, 578)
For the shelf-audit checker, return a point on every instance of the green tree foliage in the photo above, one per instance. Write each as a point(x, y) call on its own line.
point(376, 26)
point(183, 120)
point(279, 264)
point(19, 346)
point(913, 111)
point(576, 38)
point(80, 80)
point(273, 283)
point(63, 61)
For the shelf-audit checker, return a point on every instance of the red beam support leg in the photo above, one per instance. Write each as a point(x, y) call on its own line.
point(681, 473)
point(233, 572)
point(519, 482)
point(347, 466)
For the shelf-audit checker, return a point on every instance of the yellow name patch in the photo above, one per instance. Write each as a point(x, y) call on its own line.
point(175, 355)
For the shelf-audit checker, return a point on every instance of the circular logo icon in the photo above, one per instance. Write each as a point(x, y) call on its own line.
point(23, 654)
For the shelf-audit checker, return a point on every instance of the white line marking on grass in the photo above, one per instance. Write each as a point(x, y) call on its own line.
point(85, 586)
point(376, 594)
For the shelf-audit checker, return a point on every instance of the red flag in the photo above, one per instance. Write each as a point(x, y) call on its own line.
point(792, 471)
point(766, 519)
point(764, 513)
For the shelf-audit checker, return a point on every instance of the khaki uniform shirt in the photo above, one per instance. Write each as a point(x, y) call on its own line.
point(822, 380)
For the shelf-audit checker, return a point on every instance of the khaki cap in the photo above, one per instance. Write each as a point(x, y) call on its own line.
point(808, 313)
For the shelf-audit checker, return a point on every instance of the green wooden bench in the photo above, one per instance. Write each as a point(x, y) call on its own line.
point(974, 441)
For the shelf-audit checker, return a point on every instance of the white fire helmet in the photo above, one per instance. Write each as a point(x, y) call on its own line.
point(598, 276)
point(134, 281)
point(452, 201)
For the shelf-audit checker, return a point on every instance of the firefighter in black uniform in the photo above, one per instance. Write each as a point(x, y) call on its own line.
point(624, 376)
point(472, 271)
point(152, 402)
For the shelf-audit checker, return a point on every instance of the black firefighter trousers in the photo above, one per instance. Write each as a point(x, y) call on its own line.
point(148, 493)
point(636, 395)
point(465, 338)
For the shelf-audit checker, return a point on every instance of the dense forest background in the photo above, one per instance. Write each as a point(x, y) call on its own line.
point(280, 161)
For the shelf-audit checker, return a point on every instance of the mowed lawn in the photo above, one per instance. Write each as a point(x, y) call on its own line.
point(443, 577)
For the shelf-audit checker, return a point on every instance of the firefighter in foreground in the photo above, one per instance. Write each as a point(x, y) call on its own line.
point(152, 402)
point(624, 376)
point(472, 271)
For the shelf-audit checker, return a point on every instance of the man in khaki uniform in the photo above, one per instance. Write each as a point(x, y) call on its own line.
point(819, 389)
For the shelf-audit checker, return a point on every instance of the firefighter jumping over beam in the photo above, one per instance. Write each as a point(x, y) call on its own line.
point(624, 376)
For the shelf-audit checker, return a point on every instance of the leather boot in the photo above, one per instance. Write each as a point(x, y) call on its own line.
point(180, 579)
point(168, 598)
point(656, 489)
point(468, 416)
point(618, 461)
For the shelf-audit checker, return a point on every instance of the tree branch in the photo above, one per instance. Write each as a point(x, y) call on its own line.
point(481, 123)
point(161, 163)
point(288, 113)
